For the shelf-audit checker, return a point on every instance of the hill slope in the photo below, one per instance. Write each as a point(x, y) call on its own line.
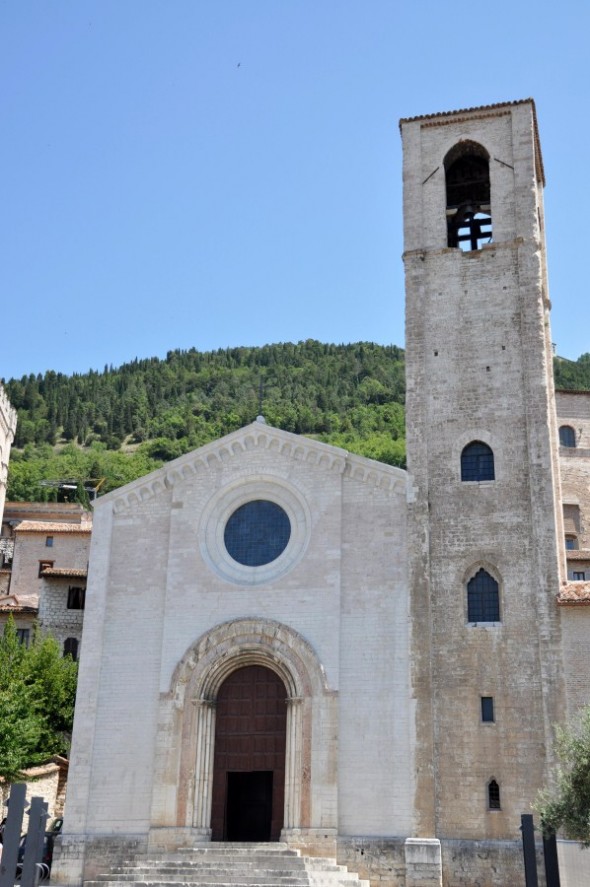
point(116, 425)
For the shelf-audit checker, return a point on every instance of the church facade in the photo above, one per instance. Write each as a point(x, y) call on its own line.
point(286, 641)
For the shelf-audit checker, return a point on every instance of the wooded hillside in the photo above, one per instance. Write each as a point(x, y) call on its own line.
point(121, 423)
point(112, 426)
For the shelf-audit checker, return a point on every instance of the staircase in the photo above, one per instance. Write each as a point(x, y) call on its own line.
point(231, 865)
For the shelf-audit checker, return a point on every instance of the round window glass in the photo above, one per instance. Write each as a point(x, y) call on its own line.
point(257, 533)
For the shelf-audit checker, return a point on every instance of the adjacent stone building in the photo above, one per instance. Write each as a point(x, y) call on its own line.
point(45, 575)
point(285, 640)
point(7, 430)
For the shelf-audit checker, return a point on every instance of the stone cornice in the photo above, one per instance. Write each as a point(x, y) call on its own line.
point(257, 435)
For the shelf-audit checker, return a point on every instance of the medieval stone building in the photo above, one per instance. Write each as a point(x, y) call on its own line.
point(283, 640)
point(7, 429)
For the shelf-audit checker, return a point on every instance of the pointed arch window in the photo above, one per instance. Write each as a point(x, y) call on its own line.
point(483, 598)
point(467, 176)
point(477, 462)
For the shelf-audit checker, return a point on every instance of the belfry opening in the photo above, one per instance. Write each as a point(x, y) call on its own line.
point(249, 763)
point(467, 174)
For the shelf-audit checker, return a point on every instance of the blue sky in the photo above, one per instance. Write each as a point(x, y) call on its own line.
point(217, 173)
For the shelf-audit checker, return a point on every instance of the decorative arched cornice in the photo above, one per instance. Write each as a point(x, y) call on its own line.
point(240, 642)
point(482, 564)
point(257, 435)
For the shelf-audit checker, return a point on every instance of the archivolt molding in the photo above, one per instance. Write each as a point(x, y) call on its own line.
point(486, 437)
point(249, 641)
point(482, 564)
point(255, 436)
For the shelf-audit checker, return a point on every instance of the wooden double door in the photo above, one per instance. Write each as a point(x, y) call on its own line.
point(249, 762)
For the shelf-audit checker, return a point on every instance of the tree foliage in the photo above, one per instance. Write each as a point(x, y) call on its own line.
point(567, 805)
point(116, 425)
point(573, 375)
point(37, 695)
point(121, 423)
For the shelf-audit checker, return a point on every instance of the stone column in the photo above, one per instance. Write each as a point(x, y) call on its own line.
point(292, 818)
point(203, 781)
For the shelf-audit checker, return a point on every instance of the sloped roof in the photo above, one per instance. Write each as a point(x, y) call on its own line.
point(10, 603)
point(34, 526)
point(439, 117)
point(64, 573)
point(577, 554)
point(574, 594)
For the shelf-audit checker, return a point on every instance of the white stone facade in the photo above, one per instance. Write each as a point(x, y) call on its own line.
point(331, 619)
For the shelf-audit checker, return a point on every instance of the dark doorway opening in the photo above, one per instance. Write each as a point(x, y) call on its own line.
point(249, 763)
point(249, 806)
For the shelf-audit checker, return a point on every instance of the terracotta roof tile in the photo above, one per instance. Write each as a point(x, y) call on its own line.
point(56, 572)
point(577, 554)
point(574, 594)
point(10, 603)
point(35, 526)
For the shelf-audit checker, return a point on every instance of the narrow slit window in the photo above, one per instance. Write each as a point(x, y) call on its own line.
point(487, 709)
point(494, 795)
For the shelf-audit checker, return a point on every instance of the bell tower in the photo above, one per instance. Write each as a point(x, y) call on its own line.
point(485, 527)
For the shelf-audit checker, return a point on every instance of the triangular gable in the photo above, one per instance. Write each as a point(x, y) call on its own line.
point(257, 435)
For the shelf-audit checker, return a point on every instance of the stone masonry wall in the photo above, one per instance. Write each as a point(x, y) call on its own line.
point(69, 550)
point(7, 429)
point(477, 370)
point(54, 615)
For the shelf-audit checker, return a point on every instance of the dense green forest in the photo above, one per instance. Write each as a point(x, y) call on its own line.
point(109, 427)
point(112, 426)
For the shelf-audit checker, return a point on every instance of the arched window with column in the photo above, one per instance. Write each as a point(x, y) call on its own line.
point(467, 176)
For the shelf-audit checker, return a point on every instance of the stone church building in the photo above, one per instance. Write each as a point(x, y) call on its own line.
point(284, 641)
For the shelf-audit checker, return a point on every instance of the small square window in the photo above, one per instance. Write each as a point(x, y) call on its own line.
point(22, 636)
point(570, 543)
point(76, 598)
point(45, 565)
point(487, 709)
point(579, 577)
point(49, 541)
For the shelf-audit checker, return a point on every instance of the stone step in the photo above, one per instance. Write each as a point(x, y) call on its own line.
point(255, 876)
point(230, 864)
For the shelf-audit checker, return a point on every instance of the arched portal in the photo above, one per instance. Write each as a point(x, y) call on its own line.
point(183, 785)
point(249, 759)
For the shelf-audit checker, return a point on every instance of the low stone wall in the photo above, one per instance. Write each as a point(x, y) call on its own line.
point(385, 862)
point(78, 858)
point(380, 860)
point(41, 782)
point(486, 864)
point(574, 863)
